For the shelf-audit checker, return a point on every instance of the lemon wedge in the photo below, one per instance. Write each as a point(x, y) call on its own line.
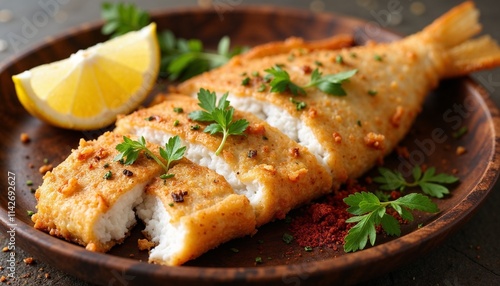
point(87, 90)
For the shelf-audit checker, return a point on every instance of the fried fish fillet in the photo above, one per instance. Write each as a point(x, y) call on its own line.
point(262, 175)
point(191, 213)
point(90, 199)
point(275, 173)
point(349, 134)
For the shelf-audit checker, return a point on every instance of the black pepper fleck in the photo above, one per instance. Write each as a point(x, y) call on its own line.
point(127, 173)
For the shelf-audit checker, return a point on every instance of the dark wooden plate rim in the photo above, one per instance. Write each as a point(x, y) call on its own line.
point(409, 244)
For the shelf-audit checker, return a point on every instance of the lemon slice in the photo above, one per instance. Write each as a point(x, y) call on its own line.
point(88, 89)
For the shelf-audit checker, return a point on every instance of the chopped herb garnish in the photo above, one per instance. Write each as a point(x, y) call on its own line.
point(262, 87)
point(45, 160)
point(245, 81)
point(255, 74)
point(258, 259)
point(353, 55)
point(369, 212)
point(428, 181)
point(130, 150)
point(108, 175)
point(281, 81)
point(372, 92)
point(287, 238)
point(170, 204)
point(299, 105)
point(330, 84)
point(235, 250)
point(220, 114)
point(178, 110)
point(29, 183)
point(106, 165)
point(420, 225)
point(460, 132)
point(176, 122)
point(265, 138)
point(378, 58)
point(128, 173)
point(195, 127)
point(318, 63)
point(359, 123)
point(291, 57)
point(288, 219)
point(339, 59)
point(166, 176)
point(308, 248)
point(30, 213)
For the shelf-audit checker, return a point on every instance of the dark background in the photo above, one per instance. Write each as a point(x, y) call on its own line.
point(469, 257)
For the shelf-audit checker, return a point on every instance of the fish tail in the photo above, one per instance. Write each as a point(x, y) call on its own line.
point(453, 32)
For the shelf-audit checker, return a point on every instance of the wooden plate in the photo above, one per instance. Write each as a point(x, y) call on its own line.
point(454, 104)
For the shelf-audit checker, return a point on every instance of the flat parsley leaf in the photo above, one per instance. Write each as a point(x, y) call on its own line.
point(130, 150)
point(369, 212)
point(180, 58)
point(281, 81)
point(330, 84)
point(122, 18)
point(428, 181)
point(221, 113)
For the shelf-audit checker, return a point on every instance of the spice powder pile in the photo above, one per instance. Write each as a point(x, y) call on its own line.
point(322, 223)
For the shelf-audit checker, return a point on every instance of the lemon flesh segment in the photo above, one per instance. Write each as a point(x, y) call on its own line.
point(92, 86)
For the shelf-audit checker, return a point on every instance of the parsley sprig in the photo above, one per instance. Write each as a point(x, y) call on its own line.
point(281, 81)
point(122, 18)
point(330, 84)
point(370, 212)
point(130, 150)
point(181, 59)
point(428, 181)
point(221, 114)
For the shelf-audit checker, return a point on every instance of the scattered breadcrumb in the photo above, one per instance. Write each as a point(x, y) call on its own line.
point(25, 138)
point(29, 260)
point(461, 150)
point(403, 152)
point(47, 275)
point(3, 278)
point(5, 249)
point(145, 244)
point(45, 168)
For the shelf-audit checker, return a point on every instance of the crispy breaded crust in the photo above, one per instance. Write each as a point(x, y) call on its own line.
point(210, 213)
point(289, 173)
point(74, 194)
point(383, 98)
